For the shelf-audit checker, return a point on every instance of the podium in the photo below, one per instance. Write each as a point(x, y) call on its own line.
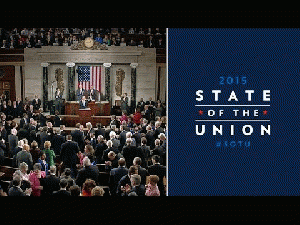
point(87, 112)
point(84, 115)
point(97, 112)
point(97, 108)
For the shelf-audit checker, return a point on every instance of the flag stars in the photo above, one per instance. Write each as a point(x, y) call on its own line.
point(200, 112)
point(265, 112)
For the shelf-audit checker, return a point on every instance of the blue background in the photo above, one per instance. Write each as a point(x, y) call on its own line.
point(269, 58)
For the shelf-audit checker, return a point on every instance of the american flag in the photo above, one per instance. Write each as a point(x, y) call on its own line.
point(89, 76)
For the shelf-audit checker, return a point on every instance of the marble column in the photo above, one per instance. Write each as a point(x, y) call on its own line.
point(133, 85)
point(71, 81)
point(45, 85)
point(107, 81)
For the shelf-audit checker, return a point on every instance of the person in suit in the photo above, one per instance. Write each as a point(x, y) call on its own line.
point(137, 161)
point(92, 94)
point(20, 107)
point(83, 103)
point(67, 175)
point(24, 120)
point(116, 174)
point(36, 102)
point(114, 121)
point(63, 189)
point(15, 189)
point(57, 101)
point(115, 142)
point(24, 156)
point(14, 110)
point(122, 136)
point(129, 152)
point(80, 92)
point(87, 172)
point(43, 136)
point(112, 161)
point(91, 130)
point(42, 118)
point(50, 182)
point(68, 155)
point(150, 137)
point(57, 141)
point(57, 119)
point(78, 137)
point(158, 150)
point(126, 180)
point(99, 130)
point(12, 140)
point(100, 148)
point(124, 103)
point(135, 186)
point(160, 171)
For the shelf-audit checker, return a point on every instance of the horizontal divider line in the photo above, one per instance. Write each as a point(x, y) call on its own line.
point(233, 105)
point(232, 120)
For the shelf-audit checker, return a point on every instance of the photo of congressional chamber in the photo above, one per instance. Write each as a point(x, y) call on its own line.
point(83, 126)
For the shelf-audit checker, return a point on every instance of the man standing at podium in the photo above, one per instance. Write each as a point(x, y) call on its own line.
point(80, 92)
point(83, 103)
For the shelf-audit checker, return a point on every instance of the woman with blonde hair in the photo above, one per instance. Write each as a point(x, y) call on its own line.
point(50, 155)
point(97, 191)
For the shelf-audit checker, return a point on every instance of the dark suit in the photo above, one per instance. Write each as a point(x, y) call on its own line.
point(83, 104)
point(100, 147)
point(129, 153)
point(23, 121)
point(42, 120)
point(57, 141)
point(93, 94)
point(68, 155)
point(62, 193)
point(50, 184)
point(122, 138)
point(115, 176)
point(79, 94)
point(99, 131)
point(57, 101)
point(20, 108)
point(36, 104)
point(13, 142)
point(78, 137)
point(141, 105)
point(160, 171)
point(143, 173)
point(139, 190)
point(123, 181)
point(57, 121)
point(89, 172)
point(150, 139)
point(16, 191)
point(116, 145)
